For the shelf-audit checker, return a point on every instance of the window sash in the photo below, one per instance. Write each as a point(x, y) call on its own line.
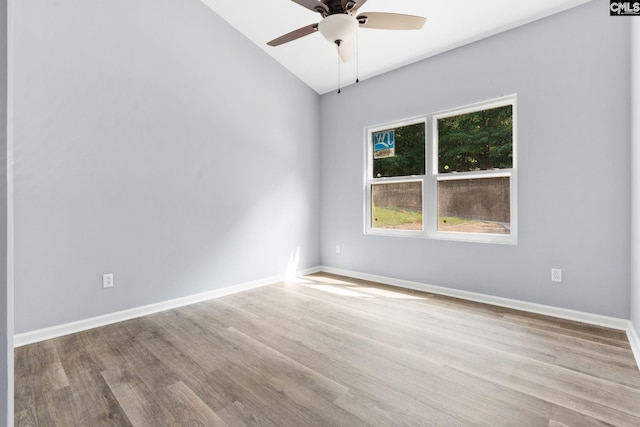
point(369, 220)
point(432, 226)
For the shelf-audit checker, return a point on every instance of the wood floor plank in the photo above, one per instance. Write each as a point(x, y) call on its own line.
point(188, 408)
point(177, 360)
point(49, 409)
point(261, 399)
point(137, 401)
point(93, 402)
point(237, 415)
point(40, 372)
point(331, 351)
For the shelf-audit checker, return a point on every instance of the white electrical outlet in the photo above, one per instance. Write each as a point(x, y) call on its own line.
point(337, 249)
point(107, 280)
point(556, 275)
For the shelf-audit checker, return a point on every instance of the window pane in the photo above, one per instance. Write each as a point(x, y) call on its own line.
point(399, 151)
point(480, 205)
point(397, 206)
point(482, 140)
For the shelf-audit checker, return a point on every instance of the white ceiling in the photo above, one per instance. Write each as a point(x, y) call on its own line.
point(315, 61)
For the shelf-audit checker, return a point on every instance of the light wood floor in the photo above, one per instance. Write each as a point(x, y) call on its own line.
point(331, 352)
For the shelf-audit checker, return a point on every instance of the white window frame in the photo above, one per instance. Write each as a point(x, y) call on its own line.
point(432, 177)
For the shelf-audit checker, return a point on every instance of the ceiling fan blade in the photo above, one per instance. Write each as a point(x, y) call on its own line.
point(347, 50)
point(390, 21)
point(293, 35)
point(313, 5)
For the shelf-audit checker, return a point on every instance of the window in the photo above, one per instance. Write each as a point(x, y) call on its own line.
point(464, 190)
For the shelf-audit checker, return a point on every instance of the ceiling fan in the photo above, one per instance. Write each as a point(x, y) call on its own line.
point(339, 23)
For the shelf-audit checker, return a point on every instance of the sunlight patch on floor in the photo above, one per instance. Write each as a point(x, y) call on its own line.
point(389, 294)
point(297, 281)
point(339, 291)
point(332, 281)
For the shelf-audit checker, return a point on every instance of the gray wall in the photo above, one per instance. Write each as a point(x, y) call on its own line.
point(154, 142)
point(571, 74)
point(635, 169)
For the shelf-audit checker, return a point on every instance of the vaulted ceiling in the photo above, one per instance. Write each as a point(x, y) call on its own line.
point(314, 60)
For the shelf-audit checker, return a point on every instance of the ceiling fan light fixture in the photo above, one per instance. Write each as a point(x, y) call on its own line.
point(338, 27)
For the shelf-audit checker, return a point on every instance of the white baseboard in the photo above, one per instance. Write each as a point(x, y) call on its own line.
point(562, 313)
point(634, 341)
point(107, 319)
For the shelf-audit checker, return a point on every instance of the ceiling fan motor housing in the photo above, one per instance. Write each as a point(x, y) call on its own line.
point(338, 27)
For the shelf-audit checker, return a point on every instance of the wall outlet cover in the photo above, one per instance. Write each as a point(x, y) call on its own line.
point(107, 280)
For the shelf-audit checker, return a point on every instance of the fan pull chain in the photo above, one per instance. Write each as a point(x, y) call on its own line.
point(357, 58)
point(339, 80)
